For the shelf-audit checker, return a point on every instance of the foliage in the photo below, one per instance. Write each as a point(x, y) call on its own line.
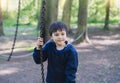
point(96, 12)
point(30, 12)
point(9, 18)
point(74, 13)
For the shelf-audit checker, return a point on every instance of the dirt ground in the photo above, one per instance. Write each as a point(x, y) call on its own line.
point(99, 61)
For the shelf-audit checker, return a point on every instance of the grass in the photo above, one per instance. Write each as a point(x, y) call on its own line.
point(29, 49)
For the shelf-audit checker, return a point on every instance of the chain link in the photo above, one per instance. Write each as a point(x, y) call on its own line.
point(42, 34)
point(16, 31)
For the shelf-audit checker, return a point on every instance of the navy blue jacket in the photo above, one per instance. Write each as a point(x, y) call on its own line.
point(62, 64)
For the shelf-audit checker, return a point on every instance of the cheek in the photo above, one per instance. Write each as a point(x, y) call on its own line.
point(53, 37)
point(64, 36)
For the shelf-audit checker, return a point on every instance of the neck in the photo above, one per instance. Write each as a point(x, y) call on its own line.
point(59, 47)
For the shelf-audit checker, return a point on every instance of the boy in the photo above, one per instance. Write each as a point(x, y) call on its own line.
point(61, 55)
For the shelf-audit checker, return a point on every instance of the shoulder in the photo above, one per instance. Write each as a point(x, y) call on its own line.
point(49, 44)
point(72, 55)
point(71, 49)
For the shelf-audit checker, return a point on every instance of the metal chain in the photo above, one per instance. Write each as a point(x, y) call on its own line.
point(42, 34)
point(16, 31)
point(42, 19)
point(42, 31)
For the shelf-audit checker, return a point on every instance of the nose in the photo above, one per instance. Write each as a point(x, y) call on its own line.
point(60, 36)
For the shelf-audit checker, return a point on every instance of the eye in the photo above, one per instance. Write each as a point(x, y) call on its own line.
point(56, 34)
point(63, 34)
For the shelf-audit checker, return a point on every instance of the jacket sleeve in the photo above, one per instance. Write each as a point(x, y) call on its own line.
point(71, 67)
point(37, 55)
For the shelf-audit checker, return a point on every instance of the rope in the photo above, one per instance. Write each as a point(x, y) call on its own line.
point(42, 34)
point(80, 36)
point(17, 56)
point(15, 31)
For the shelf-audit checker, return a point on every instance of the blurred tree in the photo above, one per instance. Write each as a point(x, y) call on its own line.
point(1, 21)
point(106, 26)
point(67, 12)
point(50, 15)
point(82, 22)
point(52, 11)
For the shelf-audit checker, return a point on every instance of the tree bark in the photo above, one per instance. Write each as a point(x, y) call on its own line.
point(67, 12)
point(1, 21)
point(106, 26)
point(82, 22)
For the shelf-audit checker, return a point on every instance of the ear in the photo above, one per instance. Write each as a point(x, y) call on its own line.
point(66, 42)
point(51, 37)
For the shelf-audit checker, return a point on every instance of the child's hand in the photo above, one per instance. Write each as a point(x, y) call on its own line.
point(39, 43)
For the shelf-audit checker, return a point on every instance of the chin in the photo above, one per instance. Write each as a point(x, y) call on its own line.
point(60, 43)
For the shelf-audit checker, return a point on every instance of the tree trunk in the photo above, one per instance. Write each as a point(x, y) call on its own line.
point(50, 15)
point(52, 11)
point(67, 12)
point(1, 21)
point(106, 26)
point(82, 22)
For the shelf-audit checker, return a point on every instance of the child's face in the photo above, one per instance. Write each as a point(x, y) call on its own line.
point(59, 37)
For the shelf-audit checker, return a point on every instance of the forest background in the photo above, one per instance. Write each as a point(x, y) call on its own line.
point(96, 22)
point(72, 12)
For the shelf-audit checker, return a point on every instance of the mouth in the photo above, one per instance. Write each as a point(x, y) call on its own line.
point(60, 40)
